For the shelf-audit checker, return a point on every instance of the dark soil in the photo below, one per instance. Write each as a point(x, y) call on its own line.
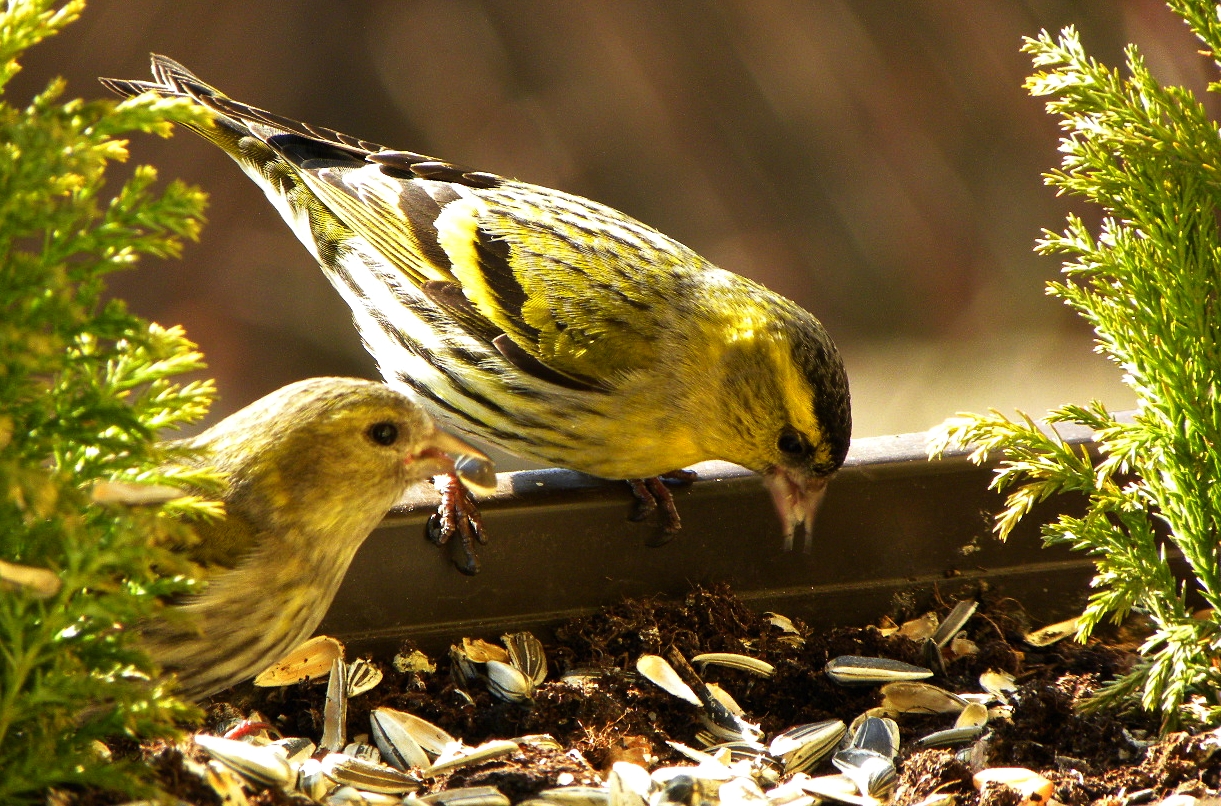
point(613, 715)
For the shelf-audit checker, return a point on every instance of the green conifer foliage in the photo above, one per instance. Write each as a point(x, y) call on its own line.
point(84, 388)
point(1150, 283)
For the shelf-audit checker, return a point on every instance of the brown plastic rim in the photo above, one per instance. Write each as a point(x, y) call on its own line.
point(560, 544)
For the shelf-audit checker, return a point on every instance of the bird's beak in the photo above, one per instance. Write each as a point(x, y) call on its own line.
point(797, 497)
point(446, 453)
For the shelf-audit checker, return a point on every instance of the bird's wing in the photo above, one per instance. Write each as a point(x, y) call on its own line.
point(572, 285)
point(568, 290)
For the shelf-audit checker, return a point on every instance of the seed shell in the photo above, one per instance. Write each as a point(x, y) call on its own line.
point(804, 746)
point(393, 738)
point(955, 621)
point(362, 676)
point(854, 670)
point(527, 656)
point(368, 775)
point(920, 698)
point(460, 756)
point(309, 661)
point(265, 765)
point(732, 660)
point(1052, 633)
point(466, 796)
point(508, 683)
point(335, 711)
point(658, 670)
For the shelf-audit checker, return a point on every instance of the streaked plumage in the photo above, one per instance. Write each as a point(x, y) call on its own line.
point(552, 326)
point(311, 469)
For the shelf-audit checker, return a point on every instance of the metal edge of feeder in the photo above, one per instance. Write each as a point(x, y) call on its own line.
point(560, 544)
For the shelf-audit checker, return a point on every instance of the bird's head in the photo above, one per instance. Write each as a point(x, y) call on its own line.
point(786, 412)
point(334, 454)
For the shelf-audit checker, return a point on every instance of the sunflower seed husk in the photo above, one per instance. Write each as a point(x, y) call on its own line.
point(363, 751)
point(837, 787)
point(920, 698)
point(790, 793)
point(873, 773)
point(733, 752)
point(464, 671)
point(347, 795)
point(459, 756)
point(226, 783)
point(740, 791)
point(575, 796)
point(854, 670)
point(309, 661)
point(657, 670)
point(732, 660)
point(790, 634)
point(952, 736)
point(265, 765)
point(311, 781)
point(698, 756)
point(919, 628)
point(368, 775)
point(427, 735)
point(335, 711)
point(393, 738)
point(954, 622)
point(628, 784)
point(527, 655)
point(727, 726)
point(466, 796)
point(1052, 633)
point(1033, 787)
point(541, 740)
point(784, 623)
point(933, 657)
point(480, 651)
point(725, 698)
point(362, 676)
point(508, 683)
point(998, 684)
point(804, 746)
point(296, 749)
point(974, 715)
point(877, 734)
point(960, 647)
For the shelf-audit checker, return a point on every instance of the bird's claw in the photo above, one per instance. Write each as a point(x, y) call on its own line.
point(458, 516)
point(652, 493)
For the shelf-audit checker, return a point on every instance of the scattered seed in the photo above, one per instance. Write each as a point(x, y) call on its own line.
point(733, 660)
point(854, 670)
point(309, 661)
point(1052, 633)
point(657, 670)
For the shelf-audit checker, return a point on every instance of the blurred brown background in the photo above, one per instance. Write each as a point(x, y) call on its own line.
point(877, 161)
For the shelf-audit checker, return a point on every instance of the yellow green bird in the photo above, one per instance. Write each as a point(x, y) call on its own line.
point(555, 327)
point(311, 469)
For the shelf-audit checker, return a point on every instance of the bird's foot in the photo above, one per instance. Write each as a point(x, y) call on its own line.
point(457, 516)
point(652, 493)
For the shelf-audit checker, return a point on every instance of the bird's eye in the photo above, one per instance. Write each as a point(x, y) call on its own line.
point(383, 433)
point(793, 444)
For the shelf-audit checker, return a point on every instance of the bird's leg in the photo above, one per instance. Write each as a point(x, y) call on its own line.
point(652, 492)
point(457, 514)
